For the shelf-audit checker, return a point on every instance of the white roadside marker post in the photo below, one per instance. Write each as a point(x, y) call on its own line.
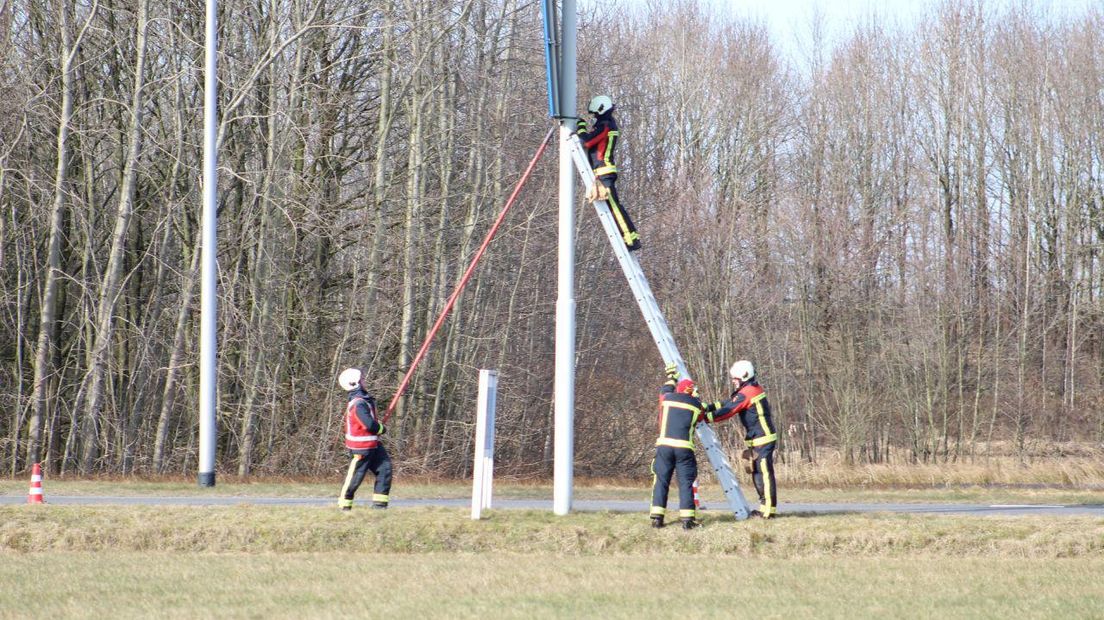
point(483, 469)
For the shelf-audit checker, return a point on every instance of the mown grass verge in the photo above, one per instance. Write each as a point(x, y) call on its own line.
point(629, 490)
point(281, 529)
point(252, 561)
point(504, 585)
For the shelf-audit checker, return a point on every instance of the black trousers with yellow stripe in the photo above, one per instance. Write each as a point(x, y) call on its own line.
point(376, 461)
point(763, 475)
point(620, 215)
point(669, 460)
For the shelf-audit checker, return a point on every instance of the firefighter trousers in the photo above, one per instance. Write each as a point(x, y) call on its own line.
point(624, 223)
point(679, 461)
point(763, 475)
point(375, 460)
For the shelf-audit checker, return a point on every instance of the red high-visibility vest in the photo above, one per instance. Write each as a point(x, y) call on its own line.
point(357, 436)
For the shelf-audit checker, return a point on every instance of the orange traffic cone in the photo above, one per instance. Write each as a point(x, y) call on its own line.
point(34, 496)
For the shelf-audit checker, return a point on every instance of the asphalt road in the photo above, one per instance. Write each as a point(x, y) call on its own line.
point(1096, 510)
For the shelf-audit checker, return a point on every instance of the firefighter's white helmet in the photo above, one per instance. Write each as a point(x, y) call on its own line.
point(742, 370)
point(349, 379)
point(600, 105)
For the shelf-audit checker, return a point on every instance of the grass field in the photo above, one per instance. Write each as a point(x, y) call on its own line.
point(254, 561)
point(505, 585)
point(250, 561)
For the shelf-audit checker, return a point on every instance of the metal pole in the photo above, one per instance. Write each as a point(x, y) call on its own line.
point(208, 371)
point(564, 457)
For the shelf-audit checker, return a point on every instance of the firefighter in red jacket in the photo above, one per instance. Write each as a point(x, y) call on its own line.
point(749, 401)
point(600, 143)
point(679, 412)
point(362, 438)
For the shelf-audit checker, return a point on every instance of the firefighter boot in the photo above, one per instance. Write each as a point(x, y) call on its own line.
point(690, 523)
point(657, 521)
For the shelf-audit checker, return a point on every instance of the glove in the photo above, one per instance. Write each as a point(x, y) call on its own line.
point(711, 407)
point(382, 429)
point(592, 192)
point(600, 190)
point(749, 463)
point(580, 125)
point(672, 372)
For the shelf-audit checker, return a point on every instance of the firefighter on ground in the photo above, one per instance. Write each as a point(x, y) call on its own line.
point(362, 438)
point(679, 412)
point(600, 143)
point(749, 402)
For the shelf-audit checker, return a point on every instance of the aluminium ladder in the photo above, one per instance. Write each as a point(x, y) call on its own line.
point(660, 332)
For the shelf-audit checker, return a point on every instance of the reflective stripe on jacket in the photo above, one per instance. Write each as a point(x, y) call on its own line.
point(750, 403)
point(358, 435)
point(678, 415)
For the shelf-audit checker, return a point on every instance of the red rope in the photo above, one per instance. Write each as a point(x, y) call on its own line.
point(467, 275)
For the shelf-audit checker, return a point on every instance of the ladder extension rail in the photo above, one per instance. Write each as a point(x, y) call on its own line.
point(661, 333)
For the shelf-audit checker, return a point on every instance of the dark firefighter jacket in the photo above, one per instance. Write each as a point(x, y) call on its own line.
point(600, 143)
point(750, 403)
point(678, 415)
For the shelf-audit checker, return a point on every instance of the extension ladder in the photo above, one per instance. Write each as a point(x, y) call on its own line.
point(660, 332)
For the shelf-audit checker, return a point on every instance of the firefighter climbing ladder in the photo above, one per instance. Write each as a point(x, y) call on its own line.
point(660, 332)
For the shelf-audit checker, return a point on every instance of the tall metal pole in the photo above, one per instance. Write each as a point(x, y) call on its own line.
point(564, 465)
point(208, 371)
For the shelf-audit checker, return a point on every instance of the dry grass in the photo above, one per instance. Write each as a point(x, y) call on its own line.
point(267, 529)
point(1077, 472)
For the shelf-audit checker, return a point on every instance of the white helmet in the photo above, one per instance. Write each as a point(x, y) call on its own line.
point(742, 370)
point(349, 379)
point(600, 105)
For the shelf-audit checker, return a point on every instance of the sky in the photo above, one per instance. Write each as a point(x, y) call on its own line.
point(790, 20)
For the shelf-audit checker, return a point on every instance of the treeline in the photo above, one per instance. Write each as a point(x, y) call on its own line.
point(902, 228)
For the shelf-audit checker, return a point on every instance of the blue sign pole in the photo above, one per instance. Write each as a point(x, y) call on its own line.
point(551, 56)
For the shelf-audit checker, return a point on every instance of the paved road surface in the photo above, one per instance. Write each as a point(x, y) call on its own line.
point(580, 505)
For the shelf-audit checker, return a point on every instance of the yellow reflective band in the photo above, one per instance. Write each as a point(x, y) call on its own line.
point(688, 513)
point(618, 215)
point(761, 441)
point(604, 170)
point(349, 477)
point(768, 491)
point(674, 443)
point(670, 403)
point(376, 497)
point(762, 415)
point(609, 148)
point(658, 510)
